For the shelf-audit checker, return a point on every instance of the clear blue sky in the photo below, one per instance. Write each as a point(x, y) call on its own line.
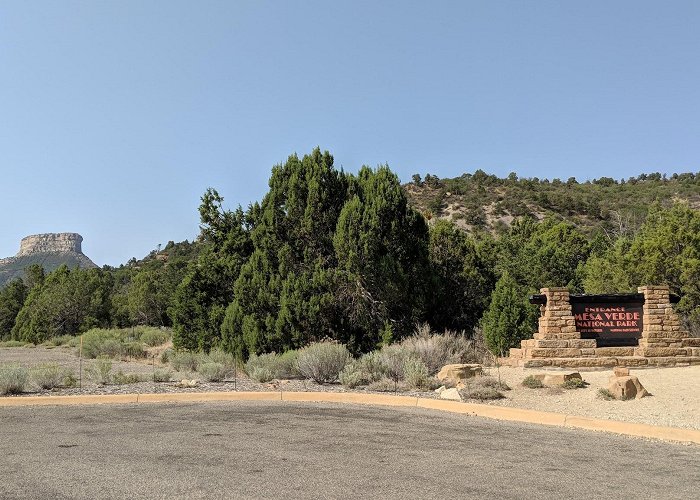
point(115, 116)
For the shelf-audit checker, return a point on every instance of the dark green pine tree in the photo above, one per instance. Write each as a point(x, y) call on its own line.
point(283, 296)
point(508, 319)
point(200, 300)
point(381, 244)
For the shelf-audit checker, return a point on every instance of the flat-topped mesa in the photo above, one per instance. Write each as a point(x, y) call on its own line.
point(51, 243)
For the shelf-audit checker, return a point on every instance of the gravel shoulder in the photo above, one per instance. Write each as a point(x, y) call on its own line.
point(674, 400)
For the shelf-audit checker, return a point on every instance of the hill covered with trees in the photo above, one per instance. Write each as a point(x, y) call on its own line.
point(361, 259)
point(481, 201)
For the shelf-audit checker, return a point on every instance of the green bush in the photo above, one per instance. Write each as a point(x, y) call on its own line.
point(61, 340)
point(214, 372)
point(185, 361)
point(260, 374)
point(151, 336)
point(12, 343)
point(323, 361)
point(352, 376)
point(574, 383)
point(111, 343)
point(50, 375)
point(220, 356)
point(121, 378)
point(287, 365)
point(436, 351)
point(606, 394)
point(100, 371)
point(166, 355)
point(416, 374)
point(162, 376)
point(483, 388)
point(266, 367)
point(481, 393)
point(369, 368)
point(13, 379)
point(532, 382)
point(394, 359)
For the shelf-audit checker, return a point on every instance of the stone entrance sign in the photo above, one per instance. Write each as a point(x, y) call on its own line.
point(612, 320)
point(634, 329)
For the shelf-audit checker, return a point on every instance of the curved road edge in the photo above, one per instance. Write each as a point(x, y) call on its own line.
point(472, 409)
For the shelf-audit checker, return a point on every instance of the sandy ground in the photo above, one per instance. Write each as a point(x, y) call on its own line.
point(675, 399)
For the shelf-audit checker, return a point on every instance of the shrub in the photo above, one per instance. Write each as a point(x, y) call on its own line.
point(121, 378)
point(59, 341)
point(185, 361)
point(287, 365)
point(573, 383)
point(112, 343)
point(261, 374)
point(436, 351)
point(394, 358)
point(166, 355)
point(481, 393)
point(13, 379)
point(214, 372)
point(323, 361)
point(532, 382)
point(483, 388)
point(352, 376)
point(100, 371)
point(162, 376)
point(50, 375)
point(133, 350)
point(220, 356)
point(154, 336)
point(606, 394)
point(262, 368)
point(12, 343)
point(416, 374)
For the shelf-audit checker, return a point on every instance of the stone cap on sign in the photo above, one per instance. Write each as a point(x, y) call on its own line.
point(541, 299)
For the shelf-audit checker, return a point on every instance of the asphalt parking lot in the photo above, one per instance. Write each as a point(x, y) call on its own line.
point(304, 450)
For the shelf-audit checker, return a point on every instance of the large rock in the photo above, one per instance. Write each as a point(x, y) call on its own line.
point(553, 379)
point(451, 394)
point(453, 374)
point(627, 387)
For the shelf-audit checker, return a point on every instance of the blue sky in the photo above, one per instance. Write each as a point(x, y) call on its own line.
point(116, 116)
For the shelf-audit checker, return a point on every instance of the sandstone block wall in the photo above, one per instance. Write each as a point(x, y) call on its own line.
point(664, 341)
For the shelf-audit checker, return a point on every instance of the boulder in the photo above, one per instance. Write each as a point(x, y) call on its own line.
point(451, 394)
point(621, 371)
point(453, 374)
point(553, 379)
point(440, 389)
point(189, 383)
point(627, 387)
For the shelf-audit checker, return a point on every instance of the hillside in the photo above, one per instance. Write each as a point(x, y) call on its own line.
point(48, 250)
point(484, 201)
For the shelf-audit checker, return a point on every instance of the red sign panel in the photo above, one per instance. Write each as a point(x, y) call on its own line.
point(611, 324)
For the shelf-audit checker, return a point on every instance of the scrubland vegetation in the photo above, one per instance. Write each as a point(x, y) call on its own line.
point(329, 274)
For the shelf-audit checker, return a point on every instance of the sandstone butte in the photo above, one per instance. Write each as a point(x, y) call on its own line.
point(49, 250)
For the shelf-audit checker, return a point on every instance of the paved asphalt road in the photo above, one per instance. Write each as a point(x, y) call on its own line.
point(272, 450)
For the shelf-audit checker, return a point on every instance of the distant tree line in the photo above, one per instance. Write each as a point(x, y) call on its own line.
point(328, 254)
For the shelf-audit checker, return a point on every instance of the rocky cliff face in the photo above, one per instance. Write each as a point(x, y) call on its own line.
point(52, 242)
point(48, 250)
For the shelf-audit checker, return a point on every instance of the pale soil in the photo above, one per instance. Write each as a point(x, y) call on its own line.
point(675, 400)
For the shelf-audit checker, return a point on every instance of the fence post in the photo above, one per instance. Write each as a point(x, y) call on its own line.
point(80, 372)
